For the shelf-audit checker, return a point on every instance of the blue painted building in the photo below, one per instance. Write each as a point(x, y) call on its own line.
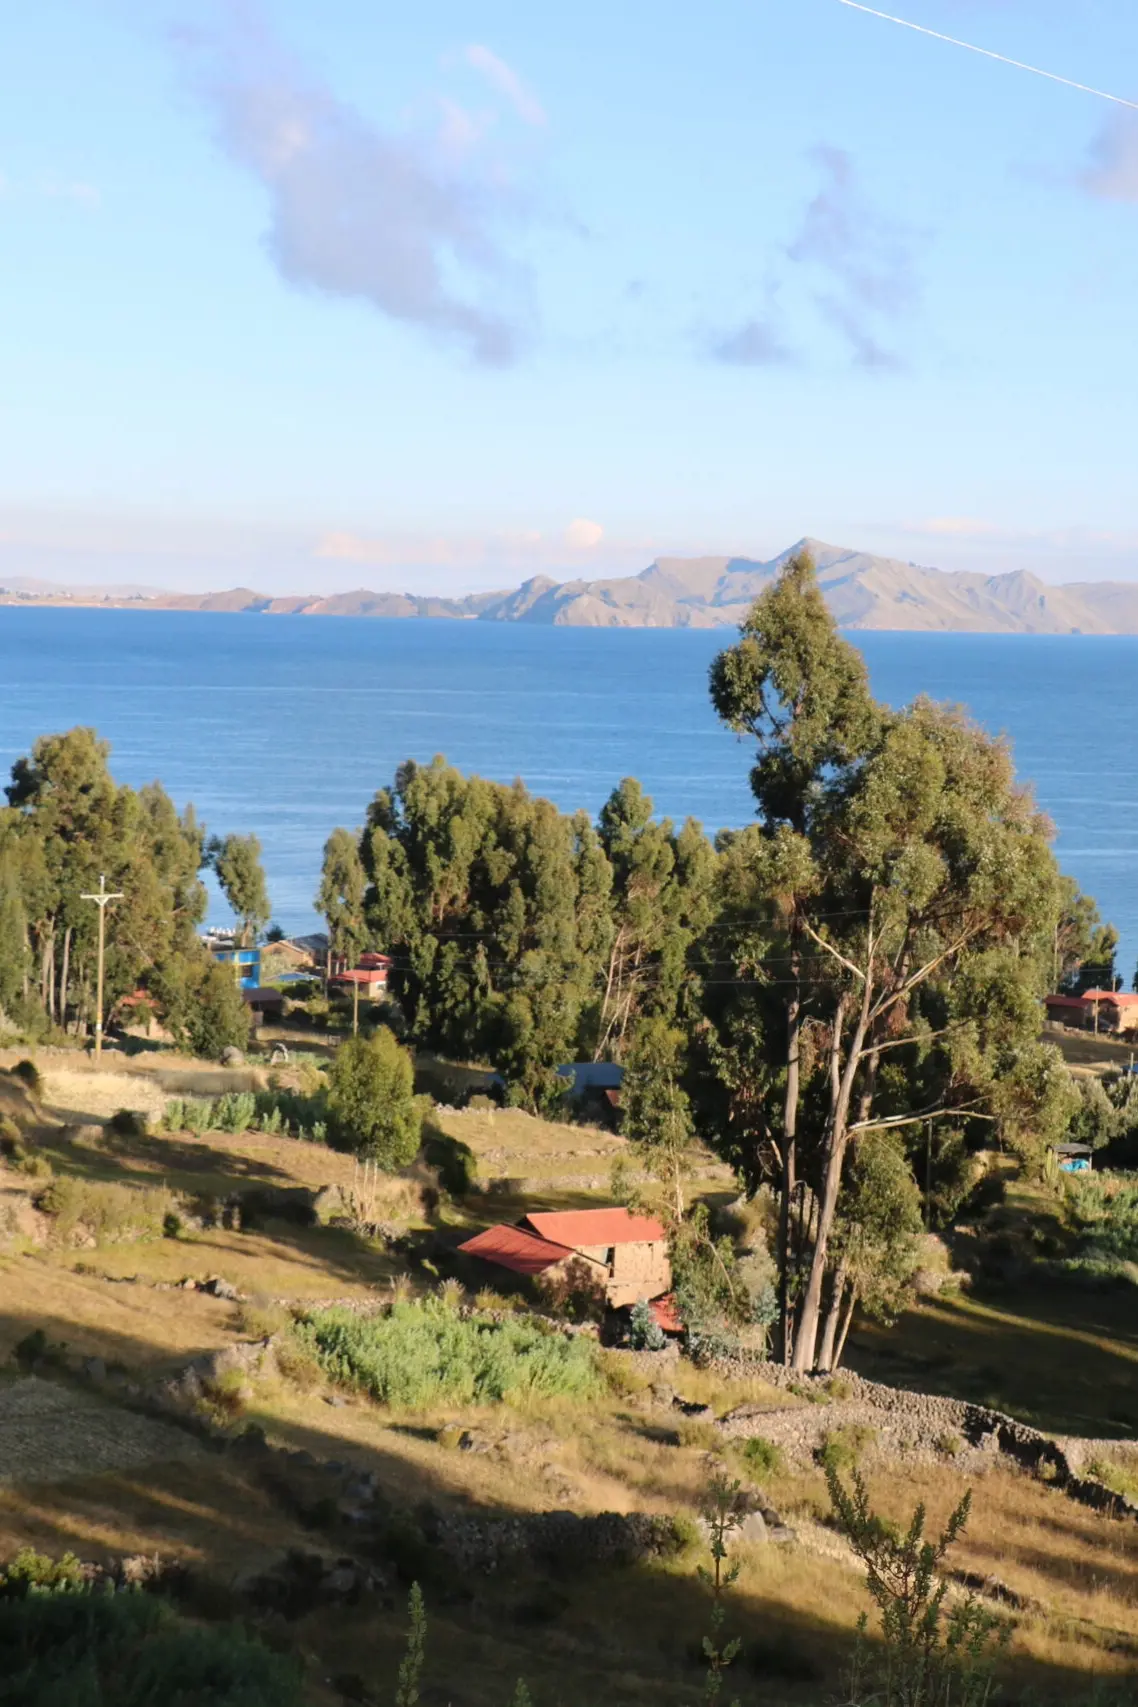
point(246, 963)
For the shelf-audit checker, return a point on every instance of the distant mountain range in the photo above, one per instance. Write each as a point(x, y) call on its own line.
point(697, 592)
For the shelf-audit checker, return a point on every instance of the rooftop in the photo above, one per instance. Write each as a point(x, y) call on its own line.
point(514, 1248)
point(578, 1227)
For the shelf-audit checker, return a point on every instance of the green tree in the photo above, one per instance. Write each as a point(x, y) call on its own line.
point(202, 1005)
point(371, 1100)
point(494, 905)
point(656, 1112)
point(340, 898)
point(660, 899)
point(67, 823)
point(1082, 947)
point(892, 910)
point(237, 863)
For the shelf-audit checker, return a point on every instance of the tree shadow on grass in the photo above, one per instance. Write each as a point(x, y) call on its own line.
point(1063, 1359)
point(580, 1633)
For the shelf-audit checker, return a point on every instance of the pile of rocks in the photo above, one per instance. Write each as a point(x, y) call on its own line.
point(562, 1539)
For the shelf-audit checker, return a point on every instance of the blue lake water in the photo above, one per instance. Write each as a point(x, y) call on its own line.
point(288, 726)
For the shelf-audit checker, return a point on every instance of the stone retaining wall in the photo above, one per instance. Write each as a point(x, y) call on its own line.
point(917, 1426)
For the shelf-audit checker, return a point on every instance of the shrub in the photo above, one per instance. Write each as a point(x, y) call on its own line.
point(932, 1652)
point(235, 1111)
point(763, 1459)
point(1119, 1478)
point(31, 1350)
point(644, 1331)
point(844, 1448)
point(131, 1650)
point(371, 1100)
point(422, 1353)
point(128, 1123)
point(111, 1213)
point(29, 1076)
point(30, 1571)
point(298, 1362)
point(697, 1432)
point(950, 1445)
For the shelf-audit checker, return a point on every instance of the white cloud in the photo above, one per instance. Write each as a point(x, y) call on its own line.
point(413, 225)
point(507, 82)
point(583, 535)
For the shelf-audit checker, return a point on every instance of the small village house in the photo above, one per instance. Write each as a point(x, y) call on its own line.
point(368, 978)
point(626, 1255)
point(1111, 1011)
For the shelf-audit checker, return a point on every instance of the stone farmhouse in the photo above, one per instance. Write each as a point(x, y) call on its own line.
point(626, 1254)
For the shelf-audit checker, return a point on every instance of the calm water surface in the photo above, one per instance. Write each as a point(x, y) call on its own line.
point(288, 726)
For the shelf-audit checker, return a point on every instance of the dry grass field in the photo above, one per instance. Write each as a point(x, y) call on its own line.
point(79, 1472)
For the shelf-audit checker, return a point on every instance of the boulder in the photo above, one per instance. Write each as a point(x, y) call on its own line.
point(231, 1056)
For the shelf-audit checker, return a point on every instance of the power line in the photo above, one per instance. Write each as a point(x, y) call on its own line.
point(989, 53)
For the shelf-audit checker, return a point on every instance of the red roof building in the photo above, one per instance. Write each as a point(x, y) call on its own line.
point(590, 1228)
point(515, 1249)
point(627, 1253)
point(1095, 1010)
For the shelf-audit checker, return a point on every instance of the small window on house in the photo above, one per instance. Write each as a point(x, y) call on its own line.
point(610, 1256)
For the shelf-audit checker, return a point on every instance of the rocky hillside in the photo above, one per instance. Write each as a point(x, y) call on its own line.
point(863, 591)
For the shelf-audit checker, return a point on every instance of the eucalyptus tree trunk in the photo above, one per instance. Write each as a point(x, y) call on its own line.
point(65, 975)
point(789, 1159)
point(833, 1317)
point(836, 1140)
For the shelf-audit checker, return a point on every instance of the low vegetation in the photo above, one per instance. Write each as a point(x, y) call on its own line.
point(62, 1643)
point(425, 1353)
point(104, 1212)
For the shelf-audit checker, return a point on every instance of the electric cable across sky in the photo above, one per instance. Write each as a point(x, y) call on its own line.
point(989, 53)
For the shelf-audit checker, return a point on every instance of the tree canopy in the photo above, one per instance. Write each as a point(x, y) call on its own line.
point(884, 937)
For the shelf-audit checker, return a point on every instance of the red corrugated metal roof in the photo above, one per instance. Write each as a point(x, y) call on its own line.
point(1119, 996)
point(361, 975)
point(514, 1248)
point(666, 1315)
point(579, 1227)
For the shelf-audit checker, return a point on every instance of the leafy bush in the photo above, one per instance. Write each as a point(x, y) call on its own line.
point(29, 1076)
point(131, 1650)
point(934, 1655)
point(1104, 1211)
point(30, 1571)
point(423, 1353)
point(763, 1459)
point(844, 1448)
point(644, 1331)
point(1119, 1478)
point(235, 1112)
point(372, 1105)
point(111, 1213)
point(128, 1123)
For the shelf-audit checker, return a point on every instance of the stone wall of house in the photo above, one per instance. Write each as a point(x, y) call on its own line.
point(639, 1271)
point(918, 1427)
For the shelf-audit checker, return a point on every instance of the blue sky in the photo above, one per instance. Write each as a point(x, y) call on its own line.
point(312, 297)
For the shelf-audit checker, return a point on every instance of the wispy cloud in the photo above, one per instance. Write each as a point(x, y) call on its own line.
point(756, 343)
point(865, 259)
point(1112, 171)
point(507, 82)
point(412, 224)
point(847, 262)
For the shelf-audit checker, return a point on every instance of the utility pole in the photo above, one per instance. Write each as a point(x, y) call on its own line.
point(355, 1007)
point(102, 900)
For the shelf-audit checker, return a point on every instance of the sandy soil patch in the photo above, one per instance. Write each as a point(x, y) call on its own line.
point(48, 1433)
